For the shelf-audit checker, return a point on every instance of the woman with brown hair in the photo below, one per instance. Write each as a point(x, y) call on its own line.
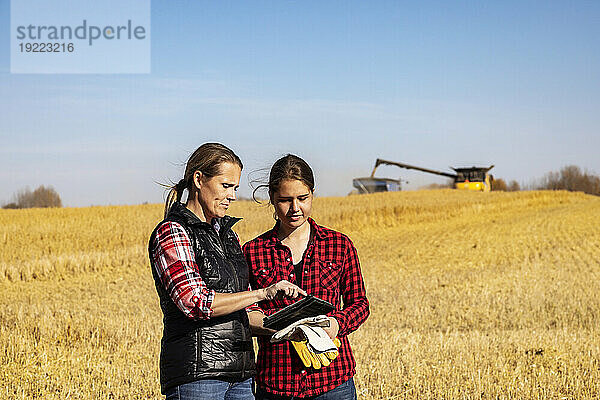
point(201, 278)
point(325, 264)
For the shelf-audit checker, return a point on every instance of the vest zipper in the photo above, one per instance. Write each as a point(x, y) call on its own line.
point(223, 250)
point(220, 236)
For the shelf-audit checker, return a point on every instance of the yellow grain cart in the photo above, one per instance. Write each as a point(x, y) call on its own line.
point(473, 178)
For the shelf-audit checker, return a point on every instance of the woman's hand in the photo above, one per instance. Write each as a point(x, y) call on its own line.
point(333, 328)
point(286, 288)
point(256, 323)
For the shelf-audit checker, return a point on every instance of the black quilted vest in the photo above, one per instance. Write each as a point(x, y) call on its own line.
point(215, 348)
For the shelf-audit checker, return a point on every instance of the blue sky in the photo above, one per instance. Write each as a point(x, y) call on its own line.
point(436, 84)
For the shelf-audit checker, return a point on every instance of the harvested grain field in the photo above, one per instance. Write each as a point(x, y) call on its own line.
point(473, 295)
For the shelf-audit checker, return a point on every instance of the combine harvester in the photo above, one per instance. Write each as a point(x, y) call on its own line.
point(473, 178)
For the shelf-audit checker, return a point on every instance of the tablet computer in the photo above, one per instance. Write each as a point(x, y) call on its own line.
point(309, 306)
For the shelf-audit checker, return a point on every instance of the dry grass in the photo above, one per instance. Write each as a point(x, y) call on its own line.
point(472, 295)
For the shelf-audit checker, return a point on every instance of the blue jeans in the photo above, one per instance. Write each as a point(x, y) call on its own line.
point(346, 391)
point(212, 389)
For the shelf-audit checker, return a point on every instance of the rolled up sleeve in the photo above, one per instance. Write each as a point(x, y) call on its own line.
point(176, 266)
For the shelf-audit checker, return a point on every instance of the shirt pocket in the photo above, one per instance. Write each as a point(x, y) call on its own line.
point(329, 274)
point(263, 276)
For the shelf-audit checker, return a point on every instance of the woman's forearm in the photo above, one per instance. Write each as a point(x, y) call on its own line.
point(226, 303)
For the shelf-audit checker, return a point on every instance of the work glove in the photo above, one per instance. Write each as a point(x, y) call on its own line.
point(313, 345)
point(312, 359)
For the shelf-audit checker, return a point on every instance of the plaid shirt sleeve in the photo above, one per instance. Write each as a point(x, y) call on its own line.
point(352, 289)
point(176, 266)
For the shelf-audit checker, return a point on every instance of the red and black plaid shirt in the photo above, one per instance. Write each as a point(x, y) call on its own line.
point(331, 271)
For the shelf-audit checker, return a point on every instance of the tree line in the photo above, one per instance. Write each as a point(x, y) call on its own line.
point(570, 178)
point(43, 196)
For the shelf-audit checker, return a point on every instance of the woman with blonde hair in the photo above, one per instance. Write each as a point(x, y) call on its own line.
point(201, 278)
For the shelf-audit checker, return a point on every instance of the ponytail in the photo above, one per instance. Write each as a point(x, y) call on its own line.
point(175, 194)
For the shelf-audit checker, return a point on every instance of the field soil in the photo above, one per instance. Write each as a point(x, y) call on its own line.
point(473, 296)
